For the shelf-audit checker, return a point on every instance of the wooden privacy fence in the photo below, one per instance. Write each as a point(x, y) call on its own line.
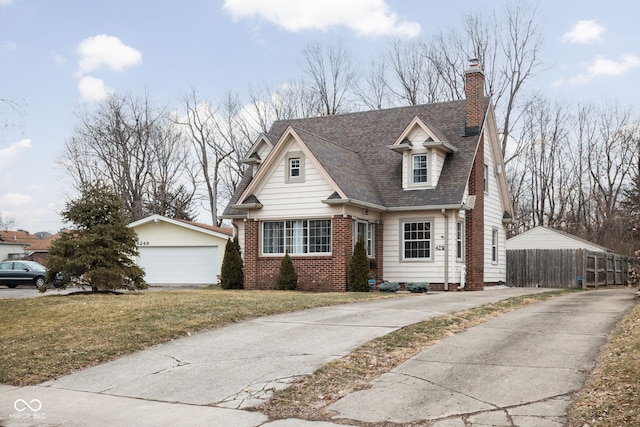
point(565, 268)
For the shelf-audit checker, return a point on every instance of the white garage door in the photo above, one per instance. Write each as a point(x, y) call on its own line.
point(179, 265)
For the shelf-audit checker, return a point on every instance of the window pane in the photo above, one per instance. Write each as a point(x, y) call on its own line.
point(296, 237)
point(459, 241)
point(294, 167)
point(273, 238)
point(320, 236)
point(419, 168)
point(417, 240)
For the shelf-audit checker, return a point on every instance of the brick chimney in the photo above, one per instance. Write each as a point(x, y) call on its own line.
point(474, 94)
point(474, 223)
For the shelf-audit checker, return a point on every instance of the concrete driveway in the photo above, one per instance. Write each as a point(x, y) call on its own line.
point(520, 363)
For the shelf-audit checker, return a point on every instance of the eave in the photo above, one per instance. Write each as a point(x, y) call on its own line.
point(248, 206)
point(358, 203)
point(440, 145)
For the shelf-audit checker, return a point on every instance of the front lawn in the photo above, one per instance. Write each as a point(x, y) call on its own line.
point(46, 337)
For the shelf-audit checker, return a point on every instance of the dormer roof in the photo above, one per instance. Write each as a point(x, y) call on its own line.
point(354, 150)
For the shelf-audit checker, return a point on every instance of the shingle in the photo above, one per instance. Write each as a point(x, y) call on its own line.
point(353, 148)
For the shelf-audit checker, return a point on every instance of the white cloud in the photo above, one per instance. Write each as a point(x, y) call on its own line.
point(584, 32)
point(607, 67)
point(5, 2)
point(365, 17)
point(93, 89)
point(9, 154)
point(15, 200)
point(107, 51)
point(58, 58)
point(10, 46)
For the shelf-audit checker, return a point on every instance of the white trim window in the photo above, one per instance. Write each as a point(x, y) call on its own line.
point(294, 162)
point(420, 168)
point(311, 236)
point(365, 231)
point(460, 240)
point(416, 240)
point(494, 246)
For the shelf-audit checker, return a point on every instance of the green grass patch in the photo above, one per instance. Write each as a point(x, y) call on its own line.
point(45, 337)
point(611, 396)
point(307, 398)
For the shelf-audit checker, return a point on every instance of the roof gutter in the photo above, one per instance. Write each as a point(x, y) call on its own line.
point(337, 202)
point(430, 207)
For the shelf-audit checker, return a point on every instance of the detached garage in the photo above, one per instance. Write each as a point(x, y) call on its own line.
point(175, 252)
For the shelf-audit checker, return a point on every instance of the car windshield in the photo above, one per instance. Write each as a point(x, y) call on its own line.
point(34, 265)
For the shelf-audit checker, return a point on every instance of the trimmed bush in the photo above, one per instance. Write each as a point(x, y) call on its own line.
point(231, 274)
point(388, 287)
point(418, 287)
point(287, 279)
point(358, 274)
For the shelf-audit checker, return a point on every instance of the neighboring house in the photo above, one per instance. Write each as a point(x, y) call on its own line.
point(39, 251)
point(547, 238)
point(14, 243)
point(10, 250)
point(175, 252)
point(422, 185)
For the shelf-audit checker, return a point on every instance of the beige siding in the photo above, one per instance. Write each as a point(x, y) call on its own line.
point(395, 269)
point(168, 235)
point(543, 238)
point(493, 213)
point(239, 223)
point(293, 200)
point(437, 163)
point(165, 234)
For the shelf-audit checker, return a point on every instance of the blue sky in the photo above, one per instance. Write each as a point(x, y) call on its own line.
point(56, 56)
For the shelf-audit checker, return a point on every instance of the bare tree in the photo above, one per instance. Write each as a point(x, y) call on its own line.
point(373, 90)
point(521, 44)
point(125, 143)
point(508, 49)
point(6, 223)
point(331, 76)
point(282, 101)
point(11, 113)
point(409, 67)
point(220, 136)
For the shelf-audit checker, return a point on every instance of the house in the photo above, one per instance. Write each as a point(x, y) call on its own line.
point(422, 185)
point(39, 251)
point(175, 252)
point(14, 242)
point(542, 237)
point(11, 250)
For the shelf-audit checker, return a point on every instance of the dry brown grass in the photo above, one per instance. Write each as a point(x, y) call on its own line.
point(307, 398)
point(611, 397)
point(45, 337)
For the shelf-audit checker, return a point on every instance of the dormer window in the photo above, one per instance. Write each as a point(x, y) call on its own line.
point(420, 168)
point(294, 168)
point(294, 164)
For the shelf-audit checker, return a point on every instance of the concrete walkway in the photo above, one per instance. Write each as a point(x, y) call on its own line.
point(491, 372)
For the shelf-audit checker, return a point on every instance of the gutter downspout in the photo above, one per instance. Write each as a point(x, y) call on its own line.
point(446, 249)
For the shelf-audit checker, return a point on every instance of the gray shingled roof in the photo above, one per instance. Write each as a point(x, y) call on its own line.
point(354, 149)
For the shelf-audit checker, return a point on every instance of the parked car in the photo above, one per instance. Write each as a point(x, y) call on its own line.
point(19, 272)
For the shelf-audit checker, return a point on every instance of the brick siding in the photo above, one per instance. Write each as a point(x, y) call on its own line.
point(315, 273)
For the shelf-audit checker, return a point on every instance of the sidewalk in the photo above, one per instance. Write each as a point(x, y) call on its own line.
point(212, 377)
